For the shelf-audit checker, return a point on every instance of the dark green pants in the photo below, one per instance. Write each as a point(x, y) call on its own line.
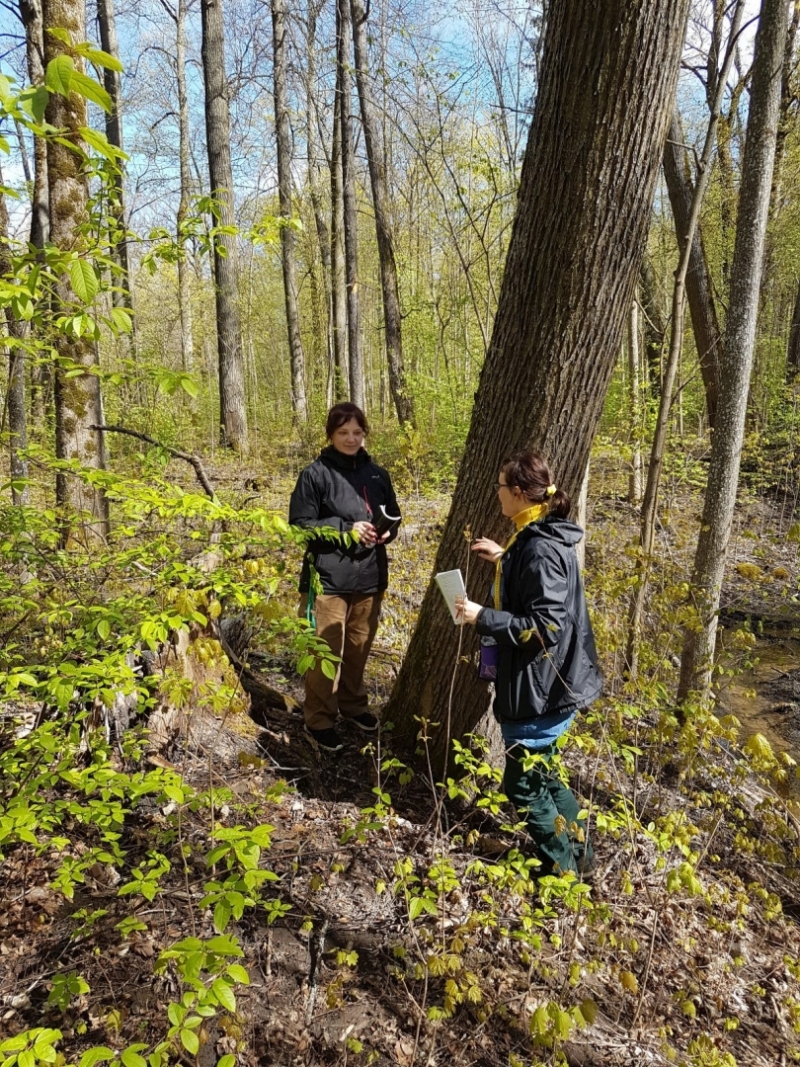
point(540, 797)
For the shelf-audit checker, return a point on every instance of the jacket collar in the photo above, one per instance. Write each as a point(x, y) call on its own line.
point(334, 458)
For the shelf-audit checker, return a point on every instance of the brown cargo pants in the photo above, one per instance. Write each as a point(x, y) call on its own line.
point(347, 622)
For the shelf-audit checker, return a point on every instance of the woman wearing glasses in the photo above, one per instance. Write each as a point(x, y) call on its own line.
point(546, 659)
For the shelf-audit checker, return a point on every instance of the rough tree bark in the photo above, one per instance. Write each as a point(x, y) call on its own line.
point(283, 133)
point(122, 295)
point(373, 139)
point(233, 408)
point(344, 96)
point(592, 159)
point(77, 399)
point(699, 293)
point(726, 447)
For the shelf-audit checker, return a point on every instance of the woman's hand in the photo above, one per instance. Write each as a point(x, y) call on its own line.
point(365, 532)
point(487, 549)
point(467, 611)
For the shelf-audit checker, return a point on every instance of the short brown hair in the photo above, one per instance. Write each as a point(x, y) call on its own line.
point(531, 473)
point(342, 413)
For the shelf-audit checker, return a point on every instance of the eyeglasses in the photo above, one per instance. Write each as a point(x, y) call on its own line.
point(501, 485)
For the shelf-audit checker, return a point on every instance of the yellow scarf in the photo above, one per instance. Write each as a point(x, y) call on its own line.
point(521, 520)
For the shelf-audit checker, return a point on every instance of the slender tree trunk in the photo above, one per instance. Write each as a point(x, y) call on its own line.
point(350, 213)
point(654, 328)
point(315, 161)
point(659, 443)
point(605, 96)
point(726, 447)
point(373, 138)
point(698, 280)
point(15, 397)
point(793, 352)
point(635, 406)
point(338, 274)
point(233, 407)
point(122, 295)
point(184, 145)
point(78, 402)
point(297, 360)
point(31, 15)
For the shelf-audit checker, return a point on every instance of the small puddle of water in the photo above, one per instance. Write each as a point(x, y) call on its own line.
point(774, 681)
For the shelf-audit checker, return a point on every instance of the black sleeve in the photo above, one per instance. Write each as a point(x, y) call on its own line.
point(305, 505)
point(544, 588)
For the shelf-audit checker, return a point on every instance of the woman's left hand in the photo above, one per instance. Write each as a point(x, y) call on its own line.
point(467, 611)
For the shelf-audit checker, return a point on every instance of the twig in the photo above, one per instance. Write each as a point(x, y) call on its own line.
point(191, 458)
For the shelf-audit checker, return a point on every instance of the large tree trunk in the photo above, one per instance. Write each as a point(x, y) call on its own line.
point(78, 403)
point(344, 95)
point(233, 409)
point(726, 448)
point(585, 197)
point(373, 138)
point(698, 281)
point(283, 131)
point(122, 295)
point(793, 352)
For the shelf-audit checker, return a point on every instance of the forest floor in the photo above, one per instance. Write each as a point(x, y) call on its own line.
point(683, 949)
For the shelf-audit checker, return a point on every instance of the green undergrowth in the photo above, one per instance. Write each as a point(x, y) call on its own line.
point(169, 870)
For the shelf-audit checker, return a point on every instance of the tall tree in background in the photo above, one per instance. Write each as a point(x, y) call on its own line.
point(77, 398)
point(373, 138)
point(344, 98)
point(122, 295)
point(233, 408)
point(288, 237)
point(699, 292)
point(341, 385)
point(606, 93)
point(726, 447)
point(15, 394)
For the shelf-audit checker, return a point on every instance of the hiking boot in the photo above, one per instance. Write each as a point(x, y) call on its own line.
point(366, 721)
point(328, 740)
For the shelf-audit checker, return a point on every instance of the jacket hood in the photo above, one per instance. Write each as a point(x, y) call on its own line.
point(552, 528)
point(338, 459)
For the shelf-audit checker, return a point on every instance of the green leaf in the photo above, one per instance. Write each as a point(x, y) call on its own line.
point(98, 56)
point(189, 385)
point(34, 101)
point(121, 320)
point(224, 994)
point(89, 89)
point(190, 1041)
point(226, 1061)
point(415, 908)
point(59, 73)
point(238, 974)
point(328, 669)
point(103, 629)
point(100, 143)
point(132, 1059)
point(84, 280)
point(61, 34)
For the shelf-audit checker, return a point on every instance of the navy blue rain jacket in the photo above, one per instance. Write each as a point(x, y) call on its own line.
point(547, 656)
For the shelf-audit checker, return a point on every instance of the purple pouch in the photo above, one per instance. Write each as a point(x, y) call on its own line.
point(490, 654)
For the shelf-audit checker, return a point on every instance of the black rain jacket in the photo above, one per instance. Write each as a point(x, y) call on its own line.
point(547, 657)
point(338, 491)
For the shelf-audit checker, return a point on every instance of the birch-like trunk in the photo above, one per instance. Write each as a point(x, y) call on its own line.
point(230, 353)
point(726, 448)
point(283, 131)
point(338, 273)
point(184, 148)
